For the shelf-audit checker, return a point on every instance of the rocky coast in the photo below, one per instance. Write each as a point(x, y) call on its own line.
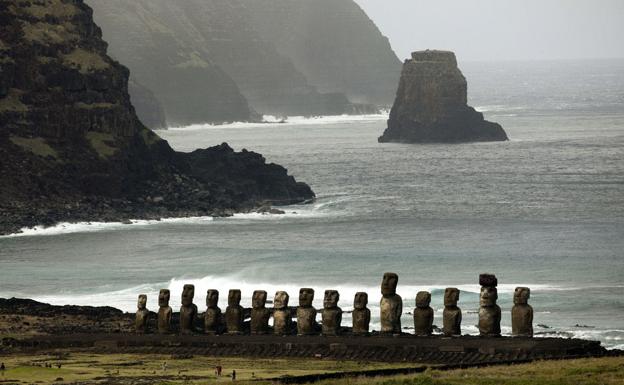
point(73, 149)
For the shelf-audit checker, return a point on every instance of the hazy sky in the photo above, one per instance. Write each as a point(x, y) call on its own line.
point(503, 29)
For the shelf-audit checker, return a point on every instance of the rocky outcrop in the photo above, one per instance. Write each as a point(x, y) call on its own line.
point(148, 107)
point(193, 54)
point(334, 44)
point(431, 104)
point(73, 149)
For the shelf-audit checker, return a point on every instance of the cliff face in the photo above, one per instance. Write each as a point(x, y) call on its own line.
point(72, 147)
point(333, 43)
point(167, 54)
point(431, 104)
point(185, 51)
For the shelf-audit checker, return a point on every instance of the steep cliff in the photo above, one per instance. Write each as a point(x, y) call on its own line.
point(431, 104)
point(333, 43)
point(184, 51)
point(167, 54)
point(72, 147)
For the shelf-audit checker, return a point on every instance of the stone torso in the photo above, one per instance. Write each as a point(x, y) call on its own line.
point(332, 319)
point(140, 324)
point(164, 319)
point(282, 322)
point(452, 321)
point(306, 320)
point(260, 321)
point(423, 321)
point(234, 318)
point(522, 320)
point(187, 318)
point(391, 310)
point(489, 320)
point(361, 321)
point(212, 320)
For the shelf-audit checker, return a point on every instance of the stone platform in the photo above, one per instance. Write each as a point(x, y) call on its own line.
point(464, 351)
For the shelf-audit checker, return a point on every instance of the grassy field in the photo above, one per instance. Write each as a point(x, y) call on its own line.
point(129, 369)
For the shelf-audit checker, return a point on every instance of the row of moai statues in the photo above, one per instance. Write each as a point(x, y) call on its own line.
point(391, 310)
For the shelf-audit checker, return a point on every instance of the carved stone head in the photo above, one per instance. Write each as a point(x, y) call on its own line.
point(234, 297)
point(212, 298)
point(522, 295)
point(188, 293)
point(306, 296)
point(281, 300)
point(259, 299)
point(423, 299)
point(360, 301)
point(451, 296)
point(389, 284)
point(331, 299)
point(489, 295)
point(142, 303)
point(163, 297)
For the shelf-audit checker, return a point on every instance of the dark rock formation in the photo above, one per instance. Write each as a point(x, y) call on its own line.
point(334, 44)
point(196, 54)
point(431, 105)
point(73, 149)
point(149, 109)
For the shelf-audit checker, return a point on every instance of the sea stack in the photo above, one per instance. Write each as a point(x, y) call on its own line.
point(431, 105)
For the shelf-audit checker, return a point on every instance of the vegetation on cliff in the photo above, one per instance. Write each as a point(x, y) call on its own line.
point(72, 147)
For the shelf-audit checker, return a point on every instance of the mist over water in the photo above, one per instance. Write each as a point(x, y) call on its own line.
point(544, 210)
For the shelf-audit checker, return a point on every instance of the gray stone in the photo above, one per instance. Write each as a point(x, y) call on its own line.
point(234, 313)
point(213, 318)
point(164, 312)
point(188, 310)
point(332, 314)
point(282, 319)
point(423, 314)
point(489, 313)
point(259, 313)
point(306, 313)
point(452, 315)
point(431, 104)
point(142, 315)
point(361, 314)
point(391, 305)
point(522, 313)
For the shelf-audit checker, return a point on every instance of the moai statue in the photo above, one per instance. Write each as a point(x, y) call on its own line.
point(234, 313)
point(522, 313)
point(332, 314)
point(164, 312)
point(306, 313)
point(142, 315)
point(361, 314)
point(188, 310)
point(281, 314)
point(423, 314)
point(213, 319)
point(489, 311)
point(259, 313)
point(452, 314)
point(391, 305)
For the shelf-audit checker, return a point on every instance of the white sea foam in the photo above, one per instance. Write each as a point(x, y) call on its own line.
point(273, 121)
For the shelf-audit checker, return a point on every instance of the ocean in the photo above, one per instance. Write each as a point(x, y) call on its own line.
point(544, 210)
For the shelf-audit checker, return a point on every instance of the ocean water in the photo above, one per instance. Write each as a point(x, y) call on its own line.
point(544, 210)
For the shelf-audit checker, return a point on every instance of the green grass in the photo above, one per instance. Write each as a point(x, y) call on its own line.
point(37, 146)
point(102, 143)
point(85, 61)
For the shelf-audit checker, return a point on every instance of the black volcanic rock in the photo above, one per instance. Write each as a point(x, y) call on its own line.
point(72, 147)
point(431, 105)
